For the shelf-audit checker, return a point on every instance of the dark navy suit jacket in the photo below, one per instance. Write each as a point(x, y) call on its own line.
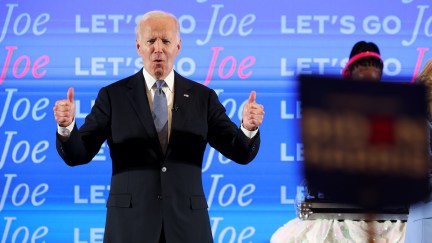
point(148, 188)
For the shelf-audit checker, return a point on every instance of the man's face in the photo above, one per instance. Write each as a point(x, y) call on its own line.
point(158, 46)
point(366, 73)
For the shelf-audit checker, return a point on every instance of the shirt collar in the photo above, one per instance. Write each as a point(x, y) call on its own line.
point(150, 80)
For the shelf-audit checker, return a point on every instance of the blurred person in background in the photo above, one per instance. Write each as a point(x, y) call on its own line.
point(364, 64)
point(419, 225)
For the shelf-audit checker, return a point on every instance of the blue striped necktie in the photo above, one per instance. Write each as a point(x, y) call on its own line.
point(160, 114)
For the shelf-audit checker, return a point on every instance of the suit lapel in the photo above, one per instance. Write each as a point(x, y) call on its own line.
point(182, 98)
point(138, 98)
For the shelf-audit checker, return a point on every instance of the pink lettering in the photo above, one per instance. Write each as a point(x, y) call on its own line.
point(244, 64)
point(422, 51)
point(212, 63)
point(26, 66)
point(10, 49)
point(222, 66)
point(40, 62)
point(231, 63)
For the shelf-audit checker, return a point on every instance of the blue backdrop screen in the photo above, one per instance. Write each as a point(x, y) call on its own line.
point(233, 47)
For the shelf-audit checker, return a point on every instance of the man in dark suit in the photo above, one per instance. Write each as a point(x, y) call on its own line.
point(156, 190)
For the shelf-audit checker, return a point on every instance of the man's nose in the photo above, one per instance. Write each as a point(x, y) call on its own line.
point(158, 46)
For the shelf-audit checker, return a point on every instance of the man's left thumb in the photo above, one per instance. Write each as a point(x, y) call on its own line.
point(252, 97)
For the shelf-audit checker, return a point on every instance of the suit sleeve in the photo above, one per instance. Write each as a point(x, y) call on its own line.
point(84, 143)
point(226, 137)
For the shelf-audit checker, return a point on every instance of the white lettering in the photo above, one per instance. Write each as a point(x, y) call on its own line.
point(101, 23)
point(24, 20)
point(284, 156)
point(21, 150)
point(228, 21)
point(97, 195)
point(228, 234)
point(229, 191)
point(416, 28)
point(284, 198)
point(22, 107)
point(23, 190)
point(96, 235)
point(100, 66)
point(293, 115)
point(17, 236)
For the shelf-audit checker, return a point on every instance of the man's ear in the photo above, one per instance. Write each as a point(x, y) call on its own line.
point(138, 46)
point(179, 47)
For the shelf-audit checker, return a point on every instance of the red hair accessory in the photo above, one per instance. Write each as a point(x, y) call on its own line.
point(346, 71)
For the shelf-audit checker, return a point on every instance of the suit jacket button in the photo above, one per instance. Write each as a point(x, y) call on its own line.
point(159, 197)
point(164, 169)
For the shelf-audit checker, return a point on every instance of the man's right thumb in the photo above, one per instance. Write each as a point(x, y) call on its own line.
point(70, 95)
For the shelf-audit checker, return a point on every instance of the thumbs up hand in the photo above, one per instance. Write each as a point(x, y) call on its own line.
point(253, 113)
point(64, 110)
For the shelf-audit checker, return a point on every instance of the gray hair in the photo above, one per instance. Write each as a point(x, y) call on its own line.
point(156, 14)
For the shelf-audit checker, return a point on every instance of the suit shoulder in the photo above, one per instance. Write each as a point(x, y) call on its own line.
point(195, 85)
point(125, 82)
